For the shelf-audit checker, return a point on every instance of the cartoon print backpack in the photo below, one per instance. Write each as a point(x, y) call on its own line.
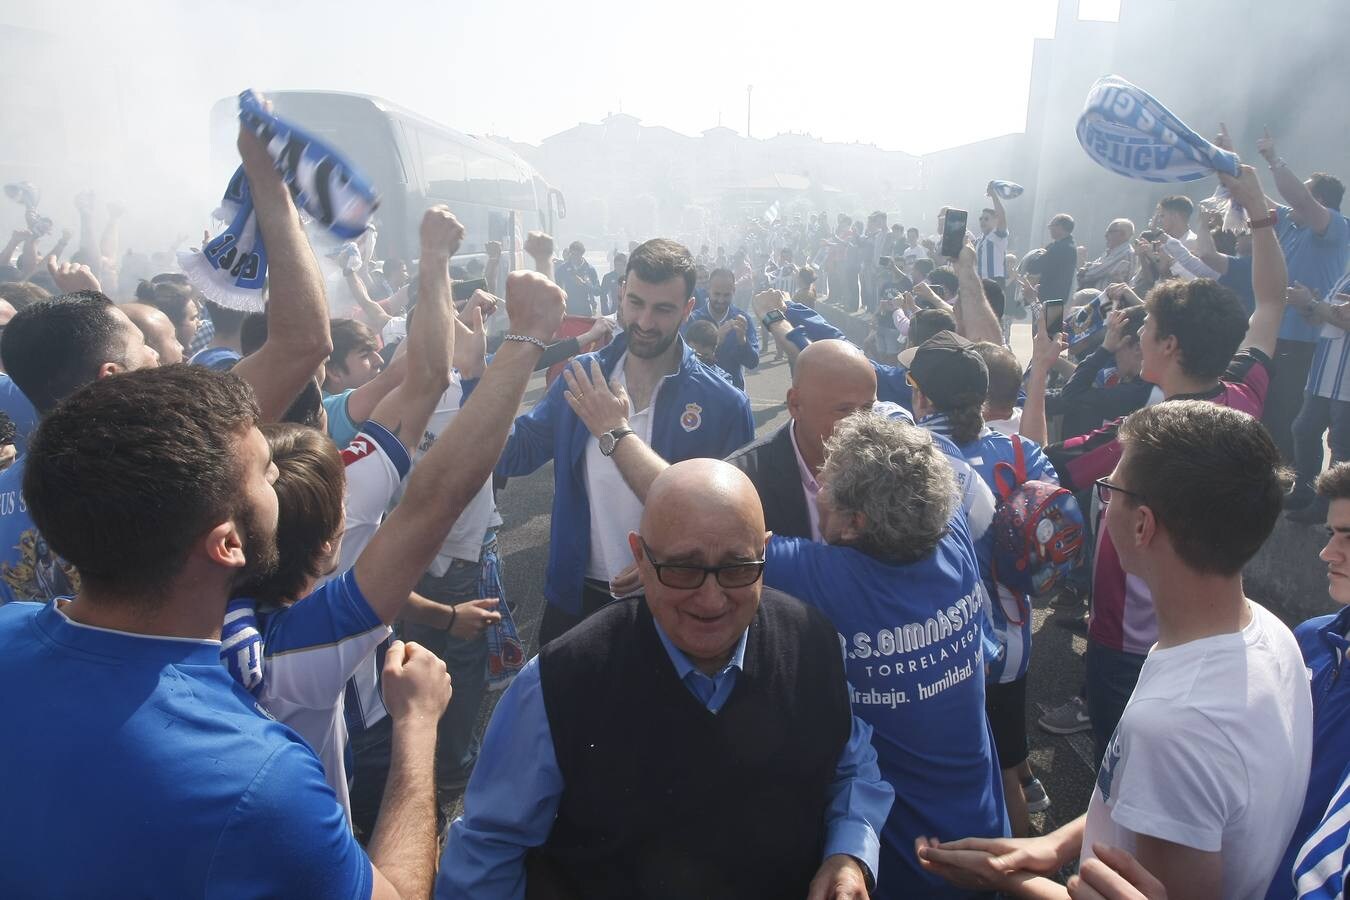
point(1038, 529)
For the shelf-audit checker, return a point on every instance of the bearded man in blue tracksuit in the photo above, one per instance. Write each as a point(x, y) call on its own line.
point(676, 405)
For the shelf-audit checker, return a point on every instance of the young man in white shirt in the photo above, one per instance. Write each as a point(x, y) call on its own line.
point(1203, 779)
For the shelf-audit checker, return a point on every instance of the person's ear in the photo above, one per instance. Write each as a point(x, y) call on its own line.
point(1144, 526)
point(635, 545)
point(108, 368)
point(224, 545)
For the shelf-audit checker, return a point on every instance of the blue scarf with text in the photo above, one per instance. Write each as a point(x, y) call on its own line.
point(1129, 132)
point(231, 268)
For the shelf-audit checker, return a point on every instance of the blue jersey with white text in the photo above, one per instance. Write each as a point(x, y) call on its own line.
point(911, 636)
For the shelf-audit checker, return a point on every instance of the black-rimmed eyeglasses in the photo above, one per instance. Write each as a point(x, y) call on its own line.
point(687, 578)
point(1105, 489)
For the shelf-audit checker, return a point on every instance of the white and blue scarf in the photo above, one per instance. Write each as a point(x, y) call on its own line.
point(232, 268)
point(1129, 132)
point(1008, 190)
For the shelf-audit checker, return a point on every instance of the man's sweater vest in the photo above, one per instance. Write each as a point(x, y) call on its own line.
point(663, 799)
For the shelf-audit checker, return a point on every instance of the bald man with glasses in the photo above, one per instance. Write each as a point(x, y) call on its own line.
point(696, 741)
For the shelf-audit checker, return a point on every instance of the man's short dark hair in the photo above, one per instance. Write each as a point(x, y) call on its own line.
point(1334, 483)
point(310, 486)
point(22, 294)
point(58, 345)
point(928, 322)
point(1206, 318)
point(993, 292)
point(349, 336)
point(127, 520)
point(1212, 477)
point(945, 277)
point(1326, 190)
point(989, 211)
point(576, 247)
point(720, 272)
point(1063, 220)
point(923, 267)
point(1005, 374)
point(702, 332)
point(659, 260)
point(1178, 203)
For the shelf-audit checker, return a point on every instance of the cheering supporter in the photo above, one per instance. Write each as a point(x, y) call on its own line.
point(696, 742)
point(895, 561)
point(129, 670)
point(1323, 641)
point(951, 384)
point(175, 300)
point(991, 247)
point(1315, 238)
point(738, 347)
point(1195, 781)
point(1188, 340)
point(678, 405)
point(292, 642)
point(1055, 267)
point(355, 359)
point(160, 335)
point(1116, 265)
point(51, 349)
point(831, 381)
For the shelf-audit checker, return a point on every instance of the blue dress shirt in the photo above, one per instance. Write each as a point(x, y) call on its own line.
point(513, 794)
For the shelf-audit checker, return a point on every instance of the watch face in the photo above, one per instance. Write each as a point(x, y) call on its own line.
point(606, 442)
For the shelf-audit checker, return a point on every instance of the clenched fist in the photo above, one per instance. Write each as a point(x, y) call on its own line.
point(441, 232)
point(534, 305)
point(416, 685)
point(539, 245)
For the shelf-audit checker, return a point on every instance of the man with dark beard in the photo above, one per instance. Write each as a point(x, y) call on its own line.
point(677, 405)
point(121, 702)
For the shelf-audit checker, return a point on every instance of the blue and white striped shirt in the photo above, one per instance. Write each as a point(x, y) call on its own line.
point(1329, 375)
point(1322, 867)
point(991, 251)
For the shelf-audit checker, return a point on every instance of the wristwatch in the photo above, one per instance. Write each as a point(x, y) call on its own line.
point(610, 439)
point(772, 316)
point(1272, 217)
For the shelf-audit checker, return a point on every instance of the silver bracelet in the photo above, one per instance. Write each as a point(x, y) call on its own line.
point(525, 339)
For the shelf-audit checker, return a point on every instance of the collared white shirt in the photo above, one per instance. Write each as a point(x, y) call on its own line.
point(810, 487)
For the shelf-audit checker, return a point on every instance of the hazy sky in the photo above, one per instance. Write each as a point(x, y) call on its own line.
point(905, 75)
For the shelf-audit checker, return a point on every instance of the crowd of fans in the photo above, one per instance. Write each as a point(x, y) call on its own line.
point(246, 558)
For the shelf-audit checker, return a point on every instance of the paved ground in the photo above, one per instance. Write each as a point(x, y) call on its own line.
point(1065, 765)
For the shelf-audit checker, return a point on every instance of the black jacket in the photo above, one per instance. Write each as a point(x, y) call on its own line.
point(771, 464)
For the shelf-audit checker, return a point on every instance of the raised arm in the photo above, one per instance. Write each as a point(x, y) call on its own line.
point(430, 343)
point(457, 464)
point(539, 247)
point(375, 315)
point(1292, 189)
point(1044, 353)
point(1000, 214)
point(1270, 277)
point(297, 311)
point(976, 316)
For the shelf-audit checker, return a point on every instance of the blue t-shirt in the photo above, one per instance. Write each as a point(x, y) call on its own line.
point(19, 410)
point(148, 772)
point(341, 428)
point(29, 570)
point(1317, 261)
point(1325, 646)
point(911, 636)
point(1238, 279)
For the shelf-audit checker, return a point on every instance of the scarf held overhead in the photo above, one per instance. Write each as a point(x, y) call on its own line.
point(1129, 132)
point(232, 268)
